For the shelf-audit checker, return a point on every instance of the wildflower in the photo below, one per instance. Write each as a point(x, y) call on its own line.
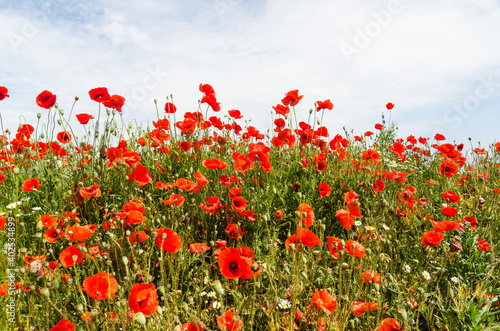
point(389, 324)
point(483, 245)
point(64, 325)
point(389, 106)
point(306, 214)
point(432, 238)
point(454, 279)
point(358, 223)
point(284, 304)
point(46, 99)
point(143, 298)
point(211, 294)
point(216, 304)
point(426, 275)
point(378, 186)
point(29, 184)
point(168, 240)
point(369, 228)
point(385, 227)
point(324, 189)
point(3, 93)
point(359, 308)
point(101, 286)
point(355, 248)
point(324, 301)
point(199, 248)
point(84, 118)
point(99, 94)
point(292, 98)
point(229, 321)
point(191, 326)
point(407, 268)
point(232, 265)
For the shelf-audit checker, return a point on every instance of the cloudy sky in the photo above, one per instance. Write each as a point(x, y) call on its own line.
point(437, 61)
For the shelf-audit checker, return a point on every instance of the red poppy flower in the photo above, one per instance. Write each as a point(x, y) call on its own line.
point(279, 214)
point(214, 164)
point(389, 106)
point(389, 324)
point(324, 301)
point(324, 189)
point(432, 238)
point(306, 214)
point(91, 191)
point(281, 110)
point(64, 325)
point(99, 94)
point(229, 322)
point(199, 248)
point(234, 231)
point(207, 89)
point(128, 206)
point(170, 108)
point(80, 233)
point(369, 276)
point(450, 196)
point(378, 126)
point(378, 186)
point(307, 237)
point(200, 179)
point(184, 184)
point(64, 137)
point(51, 235)
point(446, 225)
point(327, 104)
point(29, 184)
point(3, 220)
point(231, 264)
point(483, 245)
point(439, 136)
point(359, 308)
point(334, 246)
point(238, 204)
point(449, 211)
point(3, 93)
point(66, 256)
point(292, 98)
point(138, 236)
point(143, 299)
point(448, 168)
point(175, 199)
point(234, 113)
point(191, 326)
point(355, 248)
point(46, 99)
point(48, 221)
point(101, 286)
point(83, 118)
point(114, 102)
point(168, 240)
point(345, 218)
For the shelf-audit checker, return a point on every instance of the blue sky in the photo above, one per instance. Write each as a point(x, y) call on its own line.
point(437, 61)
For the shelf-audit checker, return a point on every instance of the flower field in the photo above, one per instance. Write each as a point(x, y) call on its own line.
point(202, 222)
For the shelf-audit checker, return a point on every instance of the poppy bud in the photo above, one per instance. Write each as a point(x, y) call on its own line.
point(39, 115)
point(16, 170)
point(303, 274)
point(55, 284)
point(402, 312)
point(61, 111)
point(45, 292)
point(139, 318)
point(79, 308)
point(217, 286)
point(125, 260)
point(254, 267)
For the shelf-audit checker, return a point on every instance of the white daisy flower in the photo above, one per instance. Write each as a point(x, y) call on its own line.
point(216, 304)
point(426, 275)
point(203, 293)
point(385, 227)
point(358, 223)
point(407, 268)
point(211, 294)
point(284, 304)
point(454, 279)
point(369, 228)
point(25, 199)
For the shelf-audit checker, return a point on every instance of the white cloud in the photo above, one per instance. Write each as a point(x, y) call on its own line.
point(422, 56)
